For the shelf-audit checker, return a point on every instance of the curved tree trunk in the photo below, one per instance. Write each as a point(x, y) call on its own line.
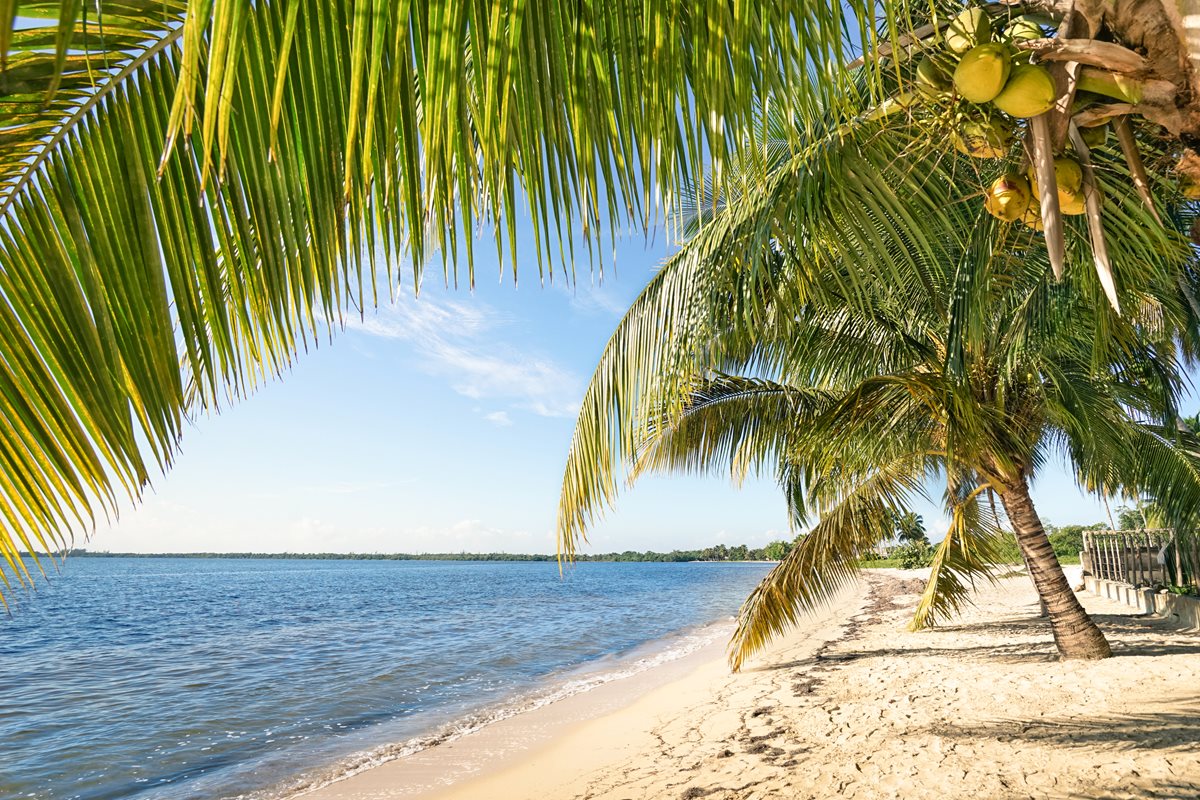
point(1074, 631)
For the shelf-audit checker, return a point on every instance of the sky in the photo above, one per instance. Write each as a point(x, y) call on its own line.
point(441, 424)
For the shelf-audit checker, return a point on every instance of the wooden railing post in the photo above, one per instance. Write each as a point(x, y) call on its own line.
point(1153, 556)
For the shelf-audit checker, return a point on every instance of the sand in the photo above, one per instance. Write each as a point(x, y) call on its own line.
point(852, 705)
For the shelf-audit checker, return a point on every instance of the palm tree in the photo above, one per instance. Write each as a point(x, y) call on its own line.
point(758, 349)
point(910, 528)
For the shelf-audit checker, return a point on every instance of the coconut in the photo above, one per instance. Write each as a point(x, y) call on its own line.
point(1028, 92)
point(1072, 203)
point(932, 79)
point(1095, 136)
point(981, 74)
point(970, 28)
point(1008, 197)
point(1068, 176)
point(983, 139)
point(1033, 217)
point(1023, 29)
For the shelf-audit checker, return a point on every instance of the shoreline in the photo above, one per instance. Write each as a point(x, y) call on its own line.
point(851, 704)
point(587, 689)
point(448, 769)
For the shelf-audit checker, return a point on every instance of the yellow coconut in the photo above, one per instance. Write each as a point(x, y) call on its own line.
point(982, 73)
point(932, 79)
point(1189, 187)
point(970, 28)
point(983, 139)
point(1028, 92)
point(1033, 217)
point(1008, 197)
point(1068, 176)
point(1023, 29)
point(1072, 203)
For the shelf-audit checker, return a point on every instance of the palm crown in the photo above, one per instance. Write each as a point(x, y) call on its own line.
point(762, 346)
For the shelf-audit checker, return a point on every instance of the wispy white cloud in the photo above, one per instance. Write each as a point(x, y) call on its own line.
point(458, 341)
point(500, 418)
point(600, 298)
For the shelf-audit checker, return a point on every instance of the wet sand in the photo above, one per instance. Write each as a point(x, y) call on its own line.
point(853, 705)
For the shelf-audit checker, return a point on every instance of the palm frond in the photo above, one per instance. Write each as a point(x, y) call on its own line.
point(970, 550)
point(194, 192)
point(727, 422)
point(63, 60)
point(826, 559)
point(713, 301)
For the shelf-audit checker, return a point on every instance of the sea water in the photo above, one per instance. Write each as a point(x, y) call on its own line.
point(222, 678)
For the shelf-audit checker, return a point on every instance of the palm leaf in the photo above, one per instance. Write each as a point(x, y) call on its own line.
point(826, 558)
point(971, 549)
point(194, 192)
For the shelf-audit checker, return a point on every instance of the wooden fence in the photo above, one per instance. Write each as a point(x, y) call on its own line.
point(1140, 558)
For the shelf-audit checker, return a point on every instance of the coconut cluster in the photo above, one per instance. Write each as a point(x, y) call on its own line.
point(1015, 197)
point(980, 63)
point(976, 59)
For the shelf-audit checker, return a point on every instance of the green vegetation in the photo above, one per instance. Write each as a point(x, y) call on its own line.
point(762, 348)
point(177, 224)
point(914, 555)
point(772, 552)
point(194, 192)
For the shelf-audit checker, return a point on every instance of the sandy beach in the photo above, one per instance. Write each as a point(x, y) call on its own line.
point(853, 705)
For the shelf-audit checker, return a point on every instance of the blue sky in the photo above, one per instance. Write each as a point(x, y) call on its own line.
point(441, 424)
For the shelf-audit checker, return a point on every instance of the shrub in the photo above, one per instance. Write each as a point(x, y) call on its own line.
point(1067, 541)
point(914, 556)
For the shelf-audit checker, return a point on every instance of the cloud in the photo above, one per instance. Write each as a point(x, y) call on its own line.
point(500, 418)
point(597, 299)
point(459, 342)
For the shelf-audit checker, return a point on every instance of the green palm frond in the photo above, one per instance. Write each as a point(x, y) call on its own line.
point(59, 63)
point(826, 558)
point(932, 334)
point(970, 550)
point(194, 192)
point(830, 226)
point(730, 422)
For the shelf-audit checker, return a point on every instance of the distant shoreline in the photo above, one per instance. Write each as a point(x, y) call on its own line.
point(675, 557)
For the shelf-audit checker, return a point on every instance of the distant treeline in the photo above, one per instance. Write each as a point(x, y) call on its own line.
point(772, 552)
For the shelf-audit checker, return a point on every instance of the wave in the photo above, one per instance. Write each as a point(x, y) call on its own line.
point(569, 683)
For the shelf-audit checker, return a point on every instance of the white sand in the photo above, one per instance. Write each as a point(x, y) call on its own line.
point(852, 705)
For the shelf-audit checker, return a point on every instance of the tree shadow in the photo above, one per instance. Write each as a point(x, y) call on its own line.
point(1161, 790)
point(1013, 653)
point(1174, 729)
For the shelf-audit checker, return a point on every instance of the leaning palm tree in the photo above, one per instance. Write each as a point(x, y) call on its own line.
point(758, 349)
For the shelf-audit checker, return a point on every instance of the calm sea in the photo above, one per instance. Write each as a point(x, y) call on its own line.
point(215, 678)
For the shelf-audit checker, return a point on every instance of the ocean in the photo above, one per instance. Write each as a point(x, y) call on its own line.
point(186, 679)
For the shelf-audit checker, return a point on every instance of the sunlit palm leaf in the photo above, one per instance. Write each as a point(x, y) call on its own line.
point(826, 558)
point(188, 204)
point(970, 551)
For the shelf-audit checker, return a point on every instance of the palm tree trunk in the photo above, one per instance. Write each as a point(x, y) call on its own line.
point(1074, 631)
